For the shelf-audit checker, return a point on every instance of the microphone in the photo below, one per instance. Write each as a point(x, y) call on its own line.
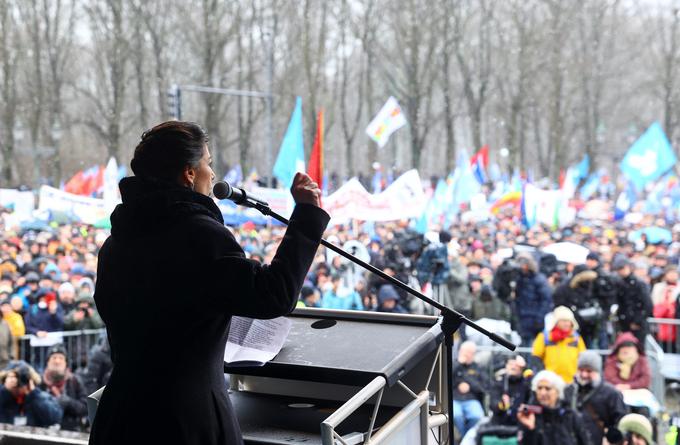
point(222, 190)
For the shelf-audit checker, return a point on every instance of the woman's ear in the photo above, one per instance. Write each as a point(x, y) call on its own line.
point(188, 176)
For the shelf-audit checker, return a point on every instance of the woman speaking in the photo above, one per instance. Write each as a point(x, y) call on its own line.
point(169, 279)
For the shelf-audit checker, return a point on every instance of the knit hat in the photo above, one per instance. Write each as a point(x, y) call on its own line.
point(562, 313)
point(593, 256)
point(590, 360)
point(57, 349)
point(637, 423)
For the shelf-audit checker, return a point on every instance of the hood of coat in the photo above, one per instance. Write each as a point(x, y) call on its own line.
point(149, 204)
point(626, 337)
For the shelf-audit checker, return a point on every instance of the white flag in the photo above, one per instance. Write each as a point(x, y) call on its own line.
point(111, 192)
point(388, 120)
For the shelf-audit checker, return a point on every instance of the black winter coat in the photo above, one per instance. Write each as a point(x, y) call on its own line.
point(533, 301)
point(600, 407)
point(635, 305)
point(169, 279)
point(473, 376)
point(560, 426)
point(518, 389)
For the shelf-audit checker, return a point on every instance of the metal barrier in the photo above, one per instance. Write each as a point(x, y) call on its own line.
point(665, 331)
point(77, 344)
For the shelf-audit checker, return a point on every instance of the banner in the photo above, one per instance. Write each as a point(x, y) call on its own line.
point(403, 199)
point(23, 203)
point(388, 120)
point(88, 210)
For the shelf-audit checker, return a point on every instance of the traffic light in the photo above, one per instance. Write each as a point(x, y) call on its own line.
point(175, 102)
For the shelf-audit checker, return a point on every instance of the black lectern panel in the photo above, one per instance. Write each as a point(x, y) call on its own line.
point(355, 350)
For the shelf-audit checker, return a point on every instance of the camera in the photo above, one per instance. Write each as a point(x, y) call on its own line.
point(531, 409)
point(616, 437)
point(505, 279)
point(23, 375)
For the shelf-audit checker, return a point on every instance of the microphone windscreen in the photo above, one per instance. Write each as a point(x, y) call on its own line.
point(222, 190)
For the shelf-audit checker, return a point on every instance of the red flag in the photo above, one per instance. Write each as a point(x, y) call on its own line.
point(483, 153)
point(315, 169)
point(75, 184)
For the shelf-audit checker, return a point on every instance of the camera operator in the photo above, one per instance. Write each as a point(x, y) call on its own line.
point(604, 290)
point(433, 267)
point(577, 294)
point(532, 299)
point(550, 423)
point(22, 402)
point(83, 316)
point(632, 297)
point(600, 404)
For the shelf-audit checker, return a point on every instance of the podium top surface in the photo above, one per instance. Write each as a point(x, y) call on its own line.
point(357, 347)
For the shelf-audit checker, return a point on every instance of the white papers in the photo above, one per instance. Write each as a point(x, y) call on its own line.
point(52, 338)
point(254, 342)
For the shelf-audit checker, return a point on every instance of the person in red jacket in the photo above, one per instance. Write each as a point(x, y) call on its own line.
point(627, 366)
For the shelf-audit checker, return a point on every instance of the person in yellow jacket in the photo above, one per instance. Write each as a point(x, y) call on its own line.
point(559, 345)
point(15, 322)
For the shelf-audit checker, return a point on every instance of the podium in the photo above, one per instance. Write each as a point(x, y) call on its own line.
point(347, 377)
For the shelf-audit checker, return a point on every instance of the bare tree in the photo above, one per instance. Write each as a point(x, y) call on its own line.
point(406, 66)
point(10, 49)
point(108, 75)
point(472, 42)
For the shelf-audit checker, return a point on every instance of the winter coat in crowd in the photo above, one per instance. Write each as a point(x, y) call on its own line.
point(486, 304)
point(577, 294)
point(432, 266)
point(559, 356)
point(169, 279)
point(517, 388)
point(664, 299)
point(99, 367)
point(89, 321)
point(459, 292)
point(6, 344)
point(38, 407)
point(600, 404)
point(72, 397)
point(632, 296)
point(471, 374)
point(41, 319)
point(556, 426)
point(637, 375)
point(532, 302)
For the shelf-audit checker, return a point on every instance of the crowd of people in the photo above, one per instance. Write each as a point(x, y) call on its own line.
point(493, 269)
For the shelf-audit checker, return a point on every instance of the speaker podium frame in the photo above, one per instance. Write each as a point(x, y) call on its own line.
point(369, 378)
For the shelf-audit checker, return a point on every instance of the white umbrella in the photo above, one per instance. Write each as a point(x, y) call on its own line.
point(568, 252)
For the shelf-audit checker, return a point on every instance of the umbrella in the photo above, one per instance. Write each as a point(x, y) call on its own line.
point(654, 235)
point(568, 252)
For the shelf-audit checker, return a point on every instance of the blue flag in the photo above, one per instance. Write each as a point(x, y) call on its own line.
point(583, 167)
point(591, 186)
point(291, 158)
point(649, 157)
point(234, 175)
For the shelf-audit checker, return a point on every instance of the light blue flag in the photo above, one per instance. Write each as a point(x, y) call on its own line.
point(591, 185)
point(649, 157)
point(291, 158)
point(583, 167)
point(466, 187)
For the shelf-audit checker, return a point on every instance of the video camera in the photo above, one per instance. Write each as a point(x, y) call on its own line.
point(400, 250)
point(505, 279)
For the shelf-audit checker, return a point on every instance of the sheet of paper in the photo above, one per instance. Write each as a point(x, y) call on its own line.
point(52, 338)
point(255, 342)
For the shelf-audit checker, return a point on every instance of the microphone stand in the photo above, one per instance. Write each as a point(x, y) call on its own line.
point(451, 322)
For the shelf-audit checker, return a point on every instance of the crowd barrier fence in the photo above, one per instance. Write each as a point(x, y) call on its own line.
point(77, 344)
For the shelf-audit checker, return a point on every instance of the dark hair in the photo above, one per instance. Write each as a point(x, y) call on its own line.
point(167, 148)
